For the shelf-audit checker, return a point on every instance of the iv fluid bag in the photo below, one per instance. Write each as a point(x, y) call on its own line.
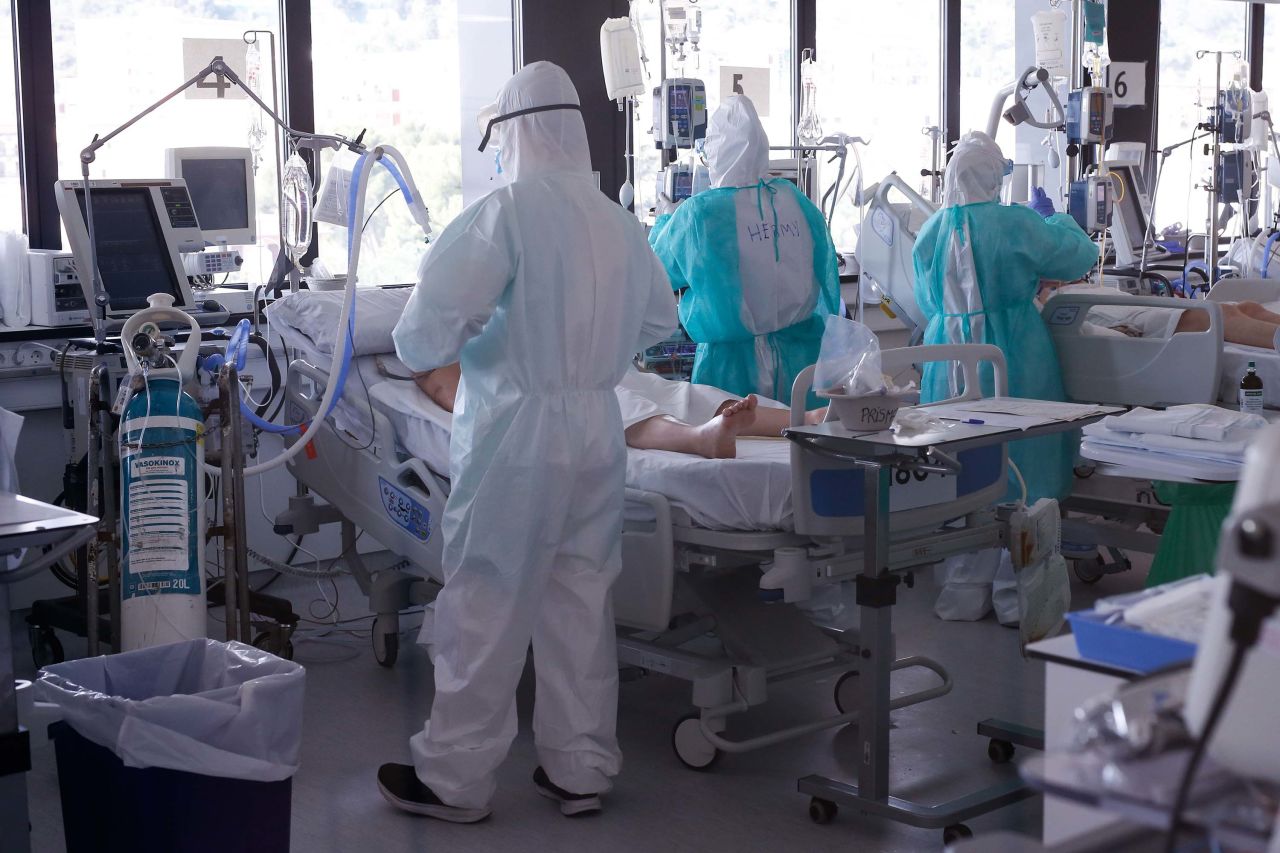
point(1050, 27)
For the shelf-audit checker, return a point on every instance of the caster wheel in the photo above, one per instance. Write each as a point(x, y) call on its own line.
point(822, 811)
point(46, 648)
point(268, 643)
point(846, 692)
point(1000, 751)
point(628, 674)
point(691, 745)
point(1089, 571)
point(956, 832)
point(386, 643)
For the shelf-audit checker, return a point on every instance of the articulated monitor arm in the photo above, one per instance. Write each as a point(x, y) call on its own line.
point(1031, 79)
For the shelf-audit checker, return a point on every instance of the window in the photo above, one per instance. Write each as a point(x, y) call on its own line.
point(987, 61)
point(1186, 92)
point(870, 92)
point(1271, 51)
point(400, 79)
point(10, 177)
point(113, 58)
point(753, 35)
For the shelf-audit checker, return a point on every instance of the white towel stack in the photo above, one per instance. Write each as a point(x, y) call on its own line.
point(1196, 441)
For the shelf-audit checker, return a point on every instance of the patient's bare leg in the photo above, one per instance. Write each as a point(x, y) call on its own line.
point(1237, 326)
point(771, 422)
point(1240, 327)
point(1257, 312)
point(716, 439)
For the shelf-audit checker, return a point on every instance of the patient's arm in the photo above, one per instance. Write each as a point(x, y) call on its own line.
point(441, 384)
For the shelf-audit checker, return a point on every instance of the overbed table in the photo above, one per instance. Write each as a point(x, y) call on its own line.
point(24, 523)
point(880, 454)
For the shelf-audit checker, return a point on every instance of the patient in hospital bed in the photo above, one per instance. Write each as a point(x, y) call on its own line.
point(1246, 323)
point(660, 414)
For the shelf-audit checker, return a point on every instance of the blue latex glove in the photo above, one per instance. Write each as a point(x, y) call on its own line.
point(1041, 203)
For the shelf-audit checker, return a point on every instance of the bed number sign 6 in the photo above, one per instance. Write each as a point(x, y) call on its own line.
point(405, 511)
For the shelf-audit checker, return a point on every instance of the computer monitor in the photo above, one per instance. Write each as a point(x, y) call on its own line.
point(140, 228)
point(220, 181)
point(1130, 212)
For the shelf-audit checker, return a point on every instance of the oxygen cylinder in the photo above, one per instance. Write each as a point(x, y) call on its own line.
point(162, 491)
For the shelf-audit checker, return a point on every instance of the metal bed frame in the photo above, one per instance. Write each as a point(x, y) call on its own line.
point(714, 608)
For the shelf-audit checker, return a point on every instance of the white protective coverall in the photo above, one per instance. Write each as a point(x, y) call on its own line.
point(543, 289)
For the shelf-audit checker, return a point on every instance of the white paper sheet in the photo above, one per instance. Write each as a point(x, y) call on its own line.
point(1016, 413)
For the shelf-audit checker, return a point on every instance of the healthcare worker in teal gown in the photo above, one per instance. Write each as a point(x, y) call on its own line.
point(978, 265)
point(755, 260)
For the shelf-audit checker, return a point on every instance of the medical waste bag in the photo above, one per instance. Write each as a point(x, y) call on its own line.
point(218, 709)
point(1189, 544)
point(185, 748)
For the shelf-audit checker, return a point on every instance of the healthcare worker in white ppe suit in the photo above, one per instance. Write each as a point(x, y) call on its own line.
point(543, 290)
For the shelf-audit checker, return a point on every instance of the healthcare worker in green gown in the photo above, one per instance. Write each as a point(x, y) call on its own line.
point(755, 260)
point(978, 265)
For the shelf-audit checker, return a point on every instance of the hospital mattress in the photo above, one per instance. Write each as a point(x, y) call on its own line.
point(751, 492)
point(351, 413)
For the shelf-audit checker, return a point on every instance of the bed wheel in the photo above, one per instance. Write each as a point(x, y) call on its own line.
point(386, 643)
point(956, 832)
point(1000, 751)
point(268, 642)
point(691, 745)
point(822, 811)
point(846, 692)
point(46, 648)
point(1089, 571)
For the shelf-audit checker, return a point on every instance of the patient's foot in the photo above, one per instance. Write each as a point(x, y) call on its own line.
point(718, 437)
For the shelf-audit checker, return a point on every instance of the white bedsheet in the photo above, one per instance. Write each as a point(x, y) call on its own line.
point(351, 412)
point(751, 492)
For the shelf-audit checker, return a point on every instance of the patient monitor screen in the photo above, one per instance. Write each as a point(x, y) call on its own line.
point(218, 191)
point(132, 254)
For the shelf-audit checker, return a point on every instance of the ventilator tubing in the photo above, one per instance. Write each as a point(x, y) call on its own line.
point(395, 163)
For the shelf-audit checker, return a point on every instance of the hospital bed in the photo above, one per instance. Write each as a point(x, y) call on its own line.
point(714, 575)
point(1101, 366)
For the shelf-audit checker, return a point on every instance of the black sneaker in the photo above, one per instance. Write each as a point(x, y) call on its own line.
point(400, 786)
point(571, 805)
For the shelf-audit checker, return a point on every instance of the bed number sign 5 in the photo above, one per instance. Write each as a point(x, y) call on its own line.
point(405, 511)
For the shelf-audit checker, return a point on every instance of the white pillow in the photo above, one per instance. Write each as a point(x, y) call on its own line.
point(316, 314)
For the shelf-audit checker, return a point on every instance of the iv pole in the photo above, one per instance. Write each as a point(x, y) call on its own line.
point(219, 69)
point(1215, 190)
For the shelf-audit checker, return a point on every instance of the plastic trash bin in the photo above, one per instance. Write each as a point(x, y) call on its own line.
point(184, 748)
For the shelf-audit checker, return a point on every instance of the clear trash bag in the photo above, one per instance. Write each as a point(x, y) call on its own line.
point(200, 706)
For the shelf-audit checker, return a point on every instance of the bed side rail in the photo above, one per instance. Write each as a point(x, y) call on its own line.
point(303, 390)
point(1125, 371)
point(894, 361)
point(1245, 290)
point(642, 594)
